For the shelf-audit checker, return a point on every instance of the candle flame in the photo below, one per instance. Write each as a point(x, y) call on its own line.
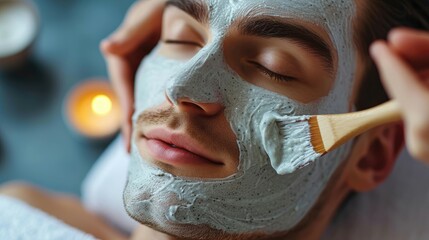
point(101, 105)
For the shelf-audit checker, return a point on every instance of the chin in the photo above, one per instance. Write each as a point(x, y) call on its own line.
point(154, 217)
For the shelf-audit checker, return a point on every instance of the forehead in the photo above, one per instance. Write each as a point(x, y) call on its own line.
point(319, 12)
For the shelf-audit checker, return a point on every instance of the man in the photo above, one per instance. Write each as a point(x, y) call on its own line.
point(200, 165)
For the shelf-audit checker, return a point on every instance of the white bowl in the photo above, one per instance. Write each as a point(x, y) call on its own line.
point(19, 26)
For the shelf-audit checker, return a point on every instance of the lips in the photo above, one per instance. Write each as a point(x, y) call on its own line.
point(176, 149)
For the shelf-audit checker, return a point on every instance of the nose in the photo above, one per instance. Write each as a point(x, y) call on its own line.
point(186, 105)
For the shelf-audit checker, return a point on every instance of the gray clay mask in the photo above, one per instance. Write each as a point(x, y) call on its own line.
point(257, 198)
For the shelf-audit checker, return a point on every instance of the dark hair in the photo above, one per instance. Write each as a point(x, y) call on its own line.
point(374, 20)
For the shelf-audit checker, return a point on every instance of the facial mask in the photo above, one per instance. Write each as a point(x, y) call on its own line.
point(256, 198)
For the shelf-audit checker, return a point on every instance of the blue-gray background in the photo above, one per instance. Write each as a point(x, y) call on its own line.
point(37, 146)
point(35, 143)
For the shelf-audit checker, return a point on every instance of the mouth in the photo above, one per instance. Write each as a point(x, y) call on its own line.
point(175, 148)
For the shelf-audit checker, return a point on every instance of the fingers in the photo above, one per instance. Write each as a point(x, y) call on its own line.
point(412, 45)
point(124, 50)
point(403, 64)
point(143, 19)
point(122, 77)
point(400, 80)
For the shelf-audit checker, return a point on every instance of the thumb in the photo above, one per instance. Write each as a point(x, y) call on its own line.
point(143, 21)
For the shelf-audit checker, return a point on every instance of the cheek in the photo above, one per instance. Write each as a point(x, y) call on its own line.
point(246, 107)
point(151, 80)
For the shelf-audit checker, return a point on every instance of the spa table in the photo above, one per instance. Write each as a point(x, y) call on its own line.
point(35, 142)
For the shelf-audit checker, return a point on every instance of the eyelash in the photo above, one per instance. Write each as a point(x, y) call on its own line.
point(260, 67)
point(170, 41)
point(271, 74)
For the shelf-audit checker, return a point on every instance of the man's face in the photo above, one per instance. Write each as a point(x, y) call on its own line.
point(213, 104)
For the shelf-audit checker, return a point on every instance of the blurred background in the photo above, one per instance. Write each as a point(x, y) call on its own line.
point(36, 143)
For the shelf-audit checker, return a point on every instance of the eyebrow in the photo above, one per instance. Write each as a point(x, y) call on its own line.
point(198, 9)
point(266, 27)
point(272, 27)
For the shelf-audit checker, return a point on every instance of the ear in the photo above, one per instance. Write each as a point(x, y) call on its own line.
point(373, 157)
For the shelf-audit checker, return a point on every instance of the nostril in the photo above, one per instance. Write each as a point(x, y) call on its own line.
point(192, 105)
point(168, 99)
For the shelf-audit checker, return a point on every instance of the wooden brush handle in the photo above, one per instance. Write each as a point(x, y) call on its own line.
point(338, 128)
point(385, 113)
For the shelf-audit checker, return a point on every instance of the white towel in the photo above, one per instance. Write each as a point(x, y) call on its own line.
point(20, 221)
point(103, 187)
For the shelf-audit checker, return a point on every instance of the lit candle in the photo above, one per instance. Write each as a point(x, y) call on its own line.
point(18, 29)
point(92, 110)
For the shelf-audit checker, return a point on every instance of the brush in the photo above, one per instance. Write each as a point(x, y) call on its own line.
point(331, 131)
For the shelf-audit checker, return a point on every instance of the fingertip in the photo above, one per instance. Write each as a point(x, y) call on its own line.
point(401, 33)
point(417, 148)
point(397, 32)
point(412, 44)
point(409, 41)
point(398, 37)
point(111, 46)
point(105, 46)
point(377, 48)
point(117, 43)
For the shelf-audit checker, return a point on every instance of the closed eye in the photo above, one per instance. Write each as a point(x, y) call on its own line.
point(171, 41)
point(271, 74)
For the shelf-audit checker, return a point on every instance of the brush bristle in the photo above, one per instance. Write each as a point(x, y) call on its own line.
point(316, 137)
